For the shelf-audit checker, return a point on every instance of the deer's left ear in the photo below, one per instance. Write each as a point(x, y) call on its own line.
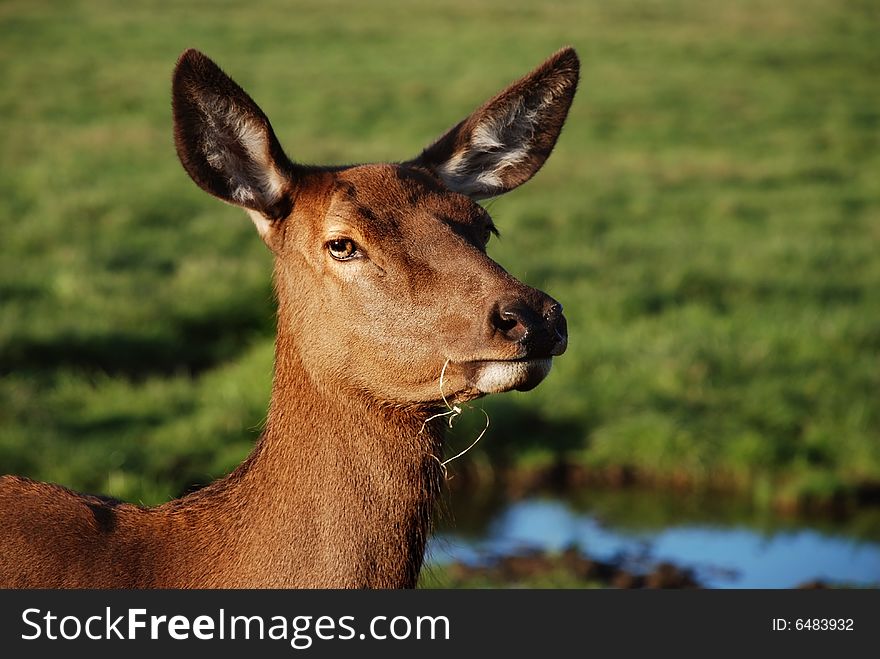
point(503, 143)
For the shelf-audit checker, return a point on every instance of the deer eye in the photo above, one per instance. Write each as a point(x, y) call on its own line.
point(342, 249)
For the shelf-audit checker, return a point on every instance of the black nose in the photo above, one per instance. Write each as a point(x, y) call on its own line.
point(539, 328)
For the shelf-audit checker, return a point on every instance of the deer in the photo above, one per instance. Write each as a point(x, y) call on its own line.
point(389, 311)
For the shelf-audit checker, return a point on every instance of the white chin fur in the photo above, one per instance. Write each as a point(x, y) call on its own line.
point(496, 377)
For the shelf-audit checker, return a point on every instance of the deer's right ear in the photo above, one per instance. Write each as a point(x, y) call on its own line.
point(226, 143)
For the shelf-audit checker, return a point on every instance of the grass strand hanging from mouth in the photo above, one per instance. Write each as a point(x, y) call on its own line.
point(453, 412)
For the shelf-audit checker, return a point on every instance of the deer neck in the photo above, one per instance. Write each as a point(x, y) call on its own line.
point(338, 492)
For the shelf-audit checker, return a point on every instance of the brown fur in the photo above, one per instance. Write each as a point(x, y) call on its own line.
point(340, 488)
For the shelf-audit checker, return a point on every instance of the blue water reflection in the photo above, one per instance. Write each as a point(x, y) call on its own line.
point(722, 556)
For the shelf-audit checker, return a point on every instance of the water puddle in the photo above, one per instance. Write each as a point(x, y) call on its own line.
point(726, 544)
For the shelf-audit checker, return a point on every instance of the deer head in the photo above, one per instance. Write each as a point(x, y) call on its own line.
point(381, 270)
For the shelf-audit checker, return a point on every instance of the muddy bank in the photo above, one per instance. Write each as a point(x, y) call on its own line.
point(570, 568)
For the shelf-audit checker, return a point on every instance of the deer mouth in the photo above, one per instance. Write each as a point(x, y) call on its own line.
point(494, 377)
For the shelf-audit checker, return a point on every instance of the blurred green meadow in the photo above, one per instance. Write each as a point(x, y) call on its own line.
point(710, 220)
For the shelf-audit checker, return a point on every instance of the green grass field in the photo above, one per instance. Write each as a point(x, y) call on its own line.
point(710, 219)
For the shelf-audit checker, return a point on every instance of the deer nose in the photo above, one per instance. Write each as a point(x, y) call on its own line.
point(541, 332)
